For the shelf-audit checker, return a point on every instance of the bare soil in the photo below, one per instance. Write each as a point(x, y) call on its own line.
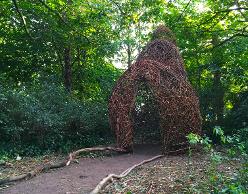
point(171, 174)
point(81, 177)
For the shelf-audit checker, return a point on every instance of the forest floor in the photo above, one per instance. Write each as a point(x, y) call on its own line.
point(170, 174)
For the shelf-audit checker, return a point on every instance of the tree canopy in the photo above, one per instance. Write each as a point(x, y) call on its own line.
point(78, 45)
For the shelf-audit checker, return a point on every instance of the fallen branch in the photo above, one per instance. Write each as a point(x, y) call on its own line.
point(105, 181)
point(93, 149)
point(7, 164)
point(66, 162)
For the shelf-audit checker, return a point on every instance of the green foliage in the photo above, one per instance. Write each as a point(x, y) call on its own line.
point(44, 118)
point(219, 182)
point(51, 26)
point(238, 117)
point(211, 35)
point(146, 116)
point(39, 116)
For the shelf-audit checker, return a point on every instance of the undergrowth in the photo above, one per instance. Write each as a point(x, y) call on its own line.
point(217, 181)
point(43, 119)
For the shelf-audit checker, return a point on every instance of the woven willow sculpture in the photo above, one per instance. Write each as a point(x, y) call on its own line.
point(161, 68)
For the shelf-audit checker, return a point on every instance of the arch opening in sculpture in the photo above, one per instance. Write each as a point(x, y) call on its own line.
point(145, 116)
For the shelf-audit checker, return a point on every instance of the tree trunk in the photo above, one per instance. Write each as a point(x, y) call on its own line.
point(67, 69)
point(129, 53)
point(67, 60)
point(218, 90)
point(218, 101)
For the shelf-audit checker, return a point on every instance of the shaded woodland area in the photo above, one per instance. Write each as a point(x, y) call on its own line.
point(60, 59)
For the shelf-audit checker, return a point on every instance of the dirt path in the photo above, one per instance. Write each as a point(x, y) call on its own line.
point(82, 177)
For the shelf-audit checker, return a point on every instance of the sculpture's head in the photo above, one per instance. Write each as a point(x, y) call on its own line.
point(164, 33)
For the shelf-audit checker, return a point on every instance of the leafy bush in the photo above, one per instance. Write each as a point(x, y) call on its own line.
point(238, 117)
point(219, 182)
point(45, 118)
point(243, 137)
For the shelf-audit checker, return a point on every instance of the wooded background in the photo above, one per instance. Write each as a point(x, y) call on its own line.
point(58, 63)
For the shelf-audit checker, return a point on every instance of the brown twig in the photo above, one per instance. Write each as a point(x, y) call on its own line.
point(185, 8)
point(105, 181)
point(53, 11)
point(66, 162)
point(23, 20)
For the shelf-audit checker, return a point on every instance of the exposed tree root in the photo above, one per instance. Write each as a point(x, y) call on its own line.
point(66, 162)
point(105, 181)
